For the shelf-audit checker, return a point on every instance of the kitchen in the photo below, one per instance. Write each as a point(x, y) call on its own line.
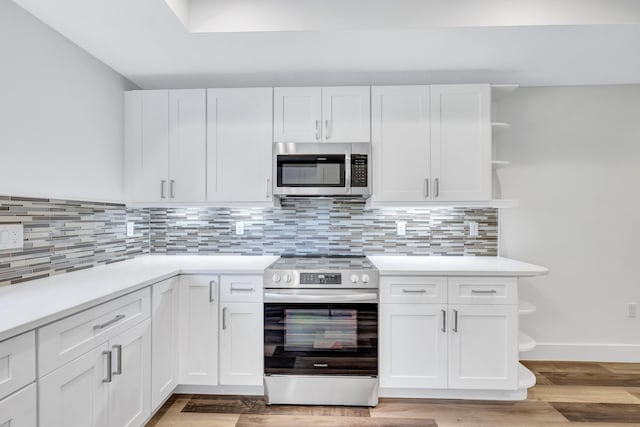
point(458, 228)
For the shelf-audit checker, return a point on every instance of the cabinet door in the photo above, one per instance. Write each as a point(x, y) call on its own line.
point(346, 114)
point(241, 344)
point(187, 145)
point(130, 397)
point(164, 340)
point(76, 395)
point(413, 345)
point(199, 330)
point(147, 145)
point(461, 142)
point(483, 347)
point(400, 124)
point(19, 409)
point(239, 154)
point(297, 114)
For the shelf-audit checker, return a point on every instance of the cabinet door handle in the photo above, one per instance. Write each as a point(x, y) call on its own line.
point(444, 321)
point(162, 184)
point(118, 370)
point(109, 367)
point(317, 130)
point(172, 185)
point(211, 283)
point(455, 320)
point(436, 187)
point(326, 129)
point(224, 318)
point(414, 291)
point(268, 187)
point(490, 291)
point(426, 188)
point(109, 322)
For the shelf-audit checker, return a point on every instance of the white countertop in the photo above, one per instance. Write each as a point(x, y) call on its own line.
point(455, 266)
point(32, 304)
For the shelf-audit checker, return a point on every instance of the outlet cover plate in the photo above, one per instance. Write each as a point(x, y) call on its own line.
point(11, 236)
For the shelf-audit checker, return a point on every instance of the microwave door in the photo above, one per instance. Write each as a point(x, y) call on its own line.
point(305, 174)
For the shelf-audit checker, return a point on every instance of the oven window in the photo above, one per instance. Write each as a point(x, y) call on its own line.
point(311, 171)
point(320, 329)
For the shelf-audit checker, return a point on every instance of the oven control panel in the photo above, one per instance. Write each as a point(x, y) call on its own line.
point(320, 278)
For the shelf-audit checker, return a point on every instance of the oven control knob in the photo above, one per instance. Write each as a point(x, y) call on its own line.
point(275, 277)
point(354, 278)
point(287, 277)
point(365, 278)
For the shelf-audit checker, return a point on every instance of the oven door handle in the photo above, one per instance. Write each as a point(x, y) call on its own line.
point(274, 297)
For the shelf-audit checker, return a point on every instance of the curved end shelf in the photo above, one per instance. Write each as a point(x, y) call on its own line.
point(500, 125)
point(525, 307)
point(526, 378)
point(499, 164)
point(525, 342)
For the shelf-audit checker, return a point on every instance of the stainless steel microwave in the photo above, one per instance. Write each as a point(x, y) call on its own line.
point(323, 169)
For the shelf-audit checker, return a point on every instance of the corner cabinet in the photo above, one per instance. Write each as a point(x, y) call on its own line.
point(431, 143)
point(328, 114)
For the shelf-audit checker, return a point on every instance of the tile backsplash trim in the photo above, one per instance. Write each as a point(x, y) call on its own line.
point(63, 235)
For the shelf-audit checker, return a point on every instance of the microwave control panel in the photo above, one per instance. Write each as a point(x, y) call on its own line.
point(359, 170)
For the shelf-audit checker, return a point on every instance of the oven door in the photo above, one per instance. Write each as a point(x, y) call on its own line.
point(317, 333)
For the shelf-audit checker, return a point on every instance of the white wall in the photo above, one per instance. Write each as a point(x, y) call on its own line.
point(575, 154)
point(61, 115)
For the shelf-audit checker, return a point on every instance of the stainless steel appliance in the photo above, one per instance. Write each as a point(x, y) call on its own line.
point(324, 169)
point(321, 331)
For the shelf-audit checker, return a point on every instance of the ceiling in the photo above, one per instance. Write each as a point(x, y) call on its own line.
point(223, 43)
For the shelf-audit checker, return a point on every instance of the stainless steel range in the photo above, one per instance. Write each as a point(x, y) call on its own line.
point(321, 331)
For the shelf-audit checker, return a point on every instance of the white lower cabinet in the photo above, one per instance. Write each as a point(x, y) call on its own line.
point(483, 347)
point(164, 340)
point(17, 410)
point(241, 352)
point(414, 350)
point(107, 386)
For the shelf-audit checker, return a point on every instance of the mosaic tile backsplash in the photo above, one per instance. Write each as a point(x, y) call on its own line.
point(63, 236)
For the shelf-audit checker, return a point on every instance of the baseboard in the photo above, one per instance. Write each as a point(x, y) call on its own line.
point(427, 393)
point(584, 352)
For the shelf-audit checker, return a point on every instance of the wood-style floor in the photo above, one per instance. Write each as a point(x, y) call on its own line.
point(568, 394)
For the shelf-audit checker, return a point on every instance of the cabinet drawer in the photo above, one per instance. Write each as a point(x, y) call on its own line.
point(483, 290)
point(17, 363)
point(241, 288)
point(413, 289)
point(19, 410)
point(66, 339)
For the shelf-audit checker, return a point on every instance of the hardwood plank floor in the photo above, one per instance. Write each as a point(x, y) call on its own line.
point(567, 394)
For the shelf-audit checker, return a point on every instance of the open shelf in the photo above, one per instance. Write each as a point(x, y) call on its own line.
point(499, 164)
point(525, 307)
point(525, 342)
point(500, 125)
point(526, 378)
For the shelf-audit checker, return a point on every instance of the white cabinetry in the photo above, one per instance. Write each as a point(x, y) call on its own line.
point(329, 114)
point(199, 330)
point(241, 319)
point(17, 363)
point(239, 145)
point(18, 410)
point(165, 145)
point(164, 340)
point(431, 143)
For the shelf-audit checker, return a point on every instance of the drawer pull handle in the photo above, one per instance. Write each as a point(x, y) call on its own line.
point(109, 367)
point(414, 291)
point(118, 370)
point(491, 291)
point(320, 365)
point(233, 289)
point(110, 322)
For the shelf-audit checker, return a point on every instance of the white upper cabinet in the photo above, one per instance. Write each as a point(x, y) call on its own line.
point(329, 114)
point(165, 139)
point(461, 142)
point(431, 143)
point(297, 114)
point(346, 114)
point(400, 143)
point(187, 145)
point(239, 145)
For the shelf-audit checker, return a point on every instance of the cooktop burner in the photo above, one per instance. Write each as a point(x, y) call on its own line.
point(323, 263)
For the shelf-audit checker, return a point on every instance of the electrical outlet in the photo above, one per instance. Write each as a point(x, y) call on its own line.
point(239, 228)
point(632, 309)
point(401, 228)
point(130, 229)
point(11, 236)
point(473, 229)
